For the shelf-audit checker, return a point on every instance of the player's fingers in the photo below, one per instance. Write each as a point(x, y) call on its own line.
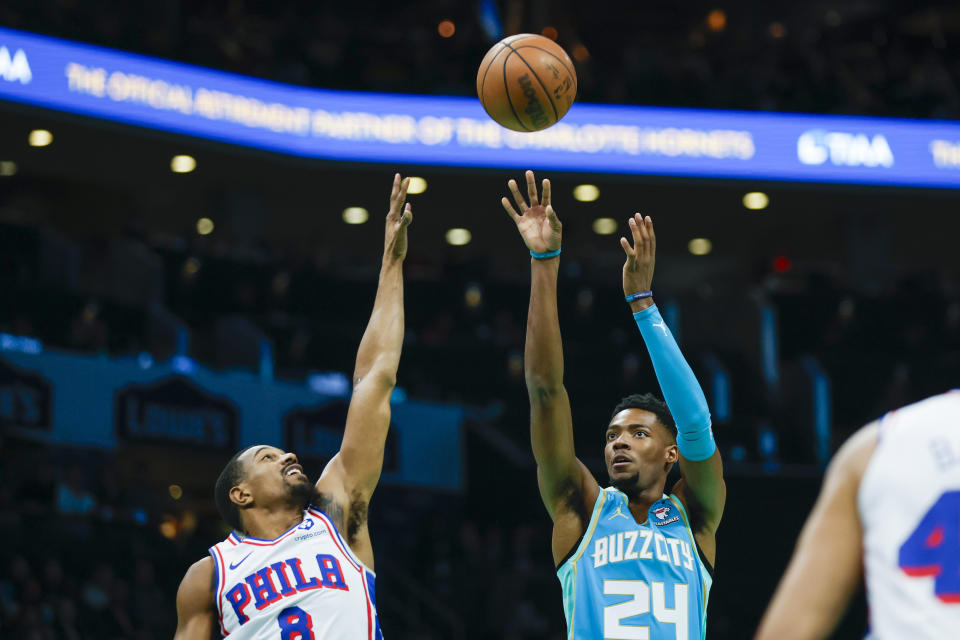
point(515, 190)
point(396, 186)
point(402, 195)
point(532, 189)
point(553, 219)
point(407, 216)
point(509, 209)
point(546, 192)
point(627, 249)
point(653, 236)
point(635, 232)
point(643, 247)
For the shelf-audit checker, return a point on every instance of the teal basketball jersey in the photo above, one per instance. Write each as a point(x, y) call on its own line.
point(629, 581)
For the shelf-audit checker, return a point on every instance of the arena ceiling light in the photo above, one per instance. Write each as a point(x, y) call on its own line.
point(586, 192)
point(458, 237)
point(446, 28)
point(355, 215)
point(417, 185)
point(700, 246)
point(756, 200)
point(183, 164)
point(8, 168)
point(604, 226)
point(204, 226)
point(40, 138)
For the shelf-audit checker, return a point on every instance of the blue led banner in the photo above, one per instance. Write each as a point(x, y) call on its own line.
point(392, 128)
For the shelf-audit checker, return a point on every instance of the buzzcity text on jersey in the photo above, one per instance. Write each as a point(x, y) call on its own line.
point(629, 580)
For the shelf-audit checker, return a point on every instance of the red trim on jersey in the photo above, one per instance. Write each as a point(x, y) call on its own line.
point(233, 539)
point(363, 574)
point(363, 579)
point(223, 580)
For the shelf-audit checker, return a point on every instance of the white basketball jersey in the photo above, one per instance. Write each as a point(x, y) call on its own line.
point(304, 585)
point(909, 503)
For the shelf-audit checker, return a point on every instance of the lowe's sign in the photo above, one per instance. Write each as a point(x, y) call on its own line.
point(444, 130)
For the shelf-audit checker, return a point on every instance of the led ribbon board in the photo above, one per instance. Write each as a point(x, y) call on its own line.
point(370, 127)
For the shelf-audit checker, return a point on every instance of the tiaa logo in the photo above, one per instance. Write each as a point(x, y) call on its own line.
point(816, 146)
point(16, 67)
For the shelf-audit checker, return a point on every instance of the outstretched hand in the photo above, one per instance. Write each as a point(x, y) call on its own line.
point(638, 269)
point(537, 222)
point(399, 217)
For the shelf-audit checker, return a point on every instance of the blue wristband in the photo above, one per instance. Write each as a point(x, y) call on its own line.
point(638, 295)
point(545, 255)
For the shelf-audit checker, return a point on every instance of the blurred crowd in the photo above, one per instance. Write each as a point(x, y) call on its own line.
point(882, 58)
point(83, 557)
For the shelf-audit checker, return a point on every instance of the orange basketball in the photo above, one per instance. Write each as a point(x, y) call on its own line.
point(526, 82)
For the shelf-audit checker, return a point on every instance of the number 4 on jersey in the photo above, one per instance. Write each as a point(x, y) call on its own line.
point(933, 549)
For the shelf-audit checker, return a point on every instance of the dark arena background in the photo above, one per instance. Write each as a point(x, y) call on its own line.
point(190, 227)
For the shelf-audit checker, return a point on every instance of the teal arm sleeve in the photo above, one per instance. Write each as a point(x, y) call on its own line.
point(681, 391)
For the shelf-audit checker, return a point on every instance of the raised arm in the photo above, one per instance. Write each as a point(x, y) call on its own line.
point(566, 486)
point(352, 474)
point(701, 489)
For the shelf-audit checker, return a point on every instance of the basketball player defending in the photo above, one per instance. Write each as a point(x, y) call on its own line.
point(633, 562)
point(299, 564)
point(890, 505)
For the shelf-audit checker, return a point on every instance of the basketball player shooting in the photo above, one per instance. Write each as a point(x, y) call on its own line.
point(633, 562)
point(890, 508)
point(299, 563)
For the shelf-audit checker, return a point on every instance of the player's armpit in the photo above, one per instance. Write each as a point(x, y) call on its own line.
point(827, 563)
point(196, 613)
point(570, 499)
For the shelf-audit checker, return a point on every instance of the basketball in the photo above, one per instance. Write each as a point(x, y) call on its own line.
point(526, 82)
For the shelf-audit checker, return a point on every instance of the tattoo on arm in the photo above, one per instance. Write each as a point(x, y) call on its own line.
point(334, 510)
point(348, 522)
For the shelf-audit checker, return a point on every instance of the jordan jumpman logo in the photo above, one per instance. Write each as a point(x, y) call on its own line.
point(617, 513)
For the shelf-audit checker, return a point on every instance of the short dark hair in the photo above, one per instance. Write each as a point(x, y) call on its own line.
point(651, 403)
point(231, 476)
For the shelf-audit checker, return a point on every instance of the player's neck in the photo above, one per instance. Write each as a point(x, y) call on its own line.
point(268, 524)
point(641, 499)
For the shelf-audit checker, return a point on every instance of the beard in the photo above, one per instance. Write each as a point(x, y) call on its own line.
point(627, 484)
point(301, 493)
